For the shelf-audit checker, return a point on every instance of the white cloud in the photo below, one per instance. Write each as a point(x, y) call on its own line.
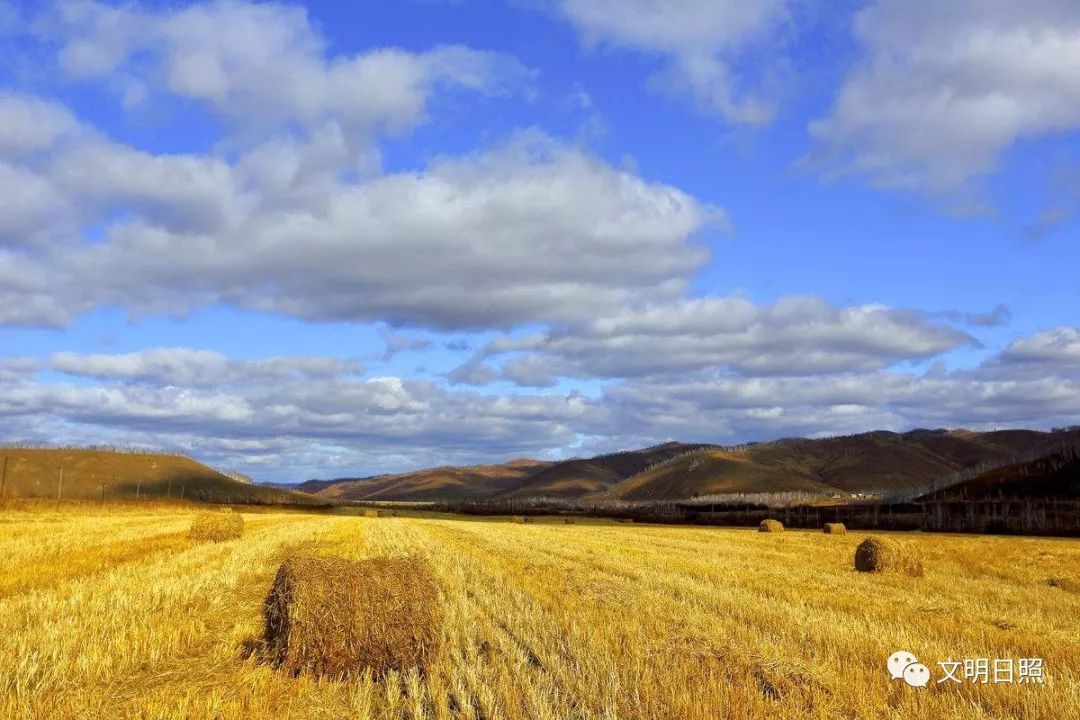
point(1054, 352)
point(528, 232)
point(198, 368)
point(18, 368)
point(793, 336)
point(176, 192)
point(29, 124)
point(942, 90)
point(263, 65)
point(702, 42)
point(291, 410)
point(765, 408)
point(291, 415)
point(289, 213)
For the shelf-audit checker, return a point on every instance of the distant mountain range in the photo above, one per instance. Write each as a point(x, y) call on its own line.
point(878, 461)
point(951, 463)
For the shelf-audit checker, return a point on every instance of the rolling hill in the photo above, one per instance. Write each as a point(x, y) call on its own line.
point(870, 462)
point(88, 473)
point(1054, 475)
point(441, 483)
point(582, 477)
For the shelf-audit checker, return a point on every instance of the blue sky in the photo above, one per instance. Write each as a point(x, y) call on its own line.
point(317, 239)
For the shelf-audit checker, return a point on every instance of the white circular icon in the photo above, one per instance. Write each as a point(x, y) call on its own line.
point(898, 661)
point(917, 675)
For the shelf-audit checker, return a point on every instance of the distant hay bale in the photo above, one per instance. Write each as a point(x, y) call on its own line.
point(217, 526)
point(835, 529)
point(371, 513)
point(878, 555)
point(518, 520)
point(337, 618)
point(568, 521)
point(628, 521)
point(771, 526)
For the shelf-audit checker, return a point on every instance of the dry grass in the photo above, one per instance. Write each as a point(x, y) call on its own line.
point(585, 622)
point(771, 526)
point(216, 526)
point(835, 529)
point(335, 617)
point(878, 555)
point(1066, 584)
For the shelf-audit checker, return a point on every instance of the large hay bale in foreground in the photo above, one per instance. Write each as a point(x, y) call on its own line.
point(336, 618)
point(216, 526)
point(877, 555)
point(835, 529)
point(771, 526)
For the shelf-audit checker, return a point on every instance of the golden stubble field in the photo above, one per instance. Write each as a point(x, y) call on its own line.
point(114, 613)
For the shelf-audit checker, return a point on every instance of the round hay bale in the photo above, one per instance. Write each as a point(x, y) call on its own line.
point(336, 618)
point(878, 555)
point(518, 520)
point(835, 529)
point(771, 526)
point(216, 526)
point(371, 513)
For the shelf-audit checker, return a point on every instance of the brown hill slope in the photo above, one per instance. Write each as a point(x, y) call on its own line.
point(441, 483)
point(580, 477)
point(1054, 475)
point(876, 461)
point(36, 472)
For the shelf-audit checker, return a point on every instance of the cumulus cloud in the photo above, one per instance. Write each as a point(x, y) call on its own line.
point(1046, 354)
point(1061, 344)
point(263, 65)
point(701, 41)
point(527, 232)
point(290, 415)
point(17, 368)
point(29, 124)
point(793, 336)
point(198, 368)
point(765, 408)
point(217, 406)
point(942, 90)
point(288, 213)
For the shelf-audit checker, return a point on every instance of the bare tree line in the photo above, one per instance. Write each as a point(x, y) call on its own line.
point(117, 449)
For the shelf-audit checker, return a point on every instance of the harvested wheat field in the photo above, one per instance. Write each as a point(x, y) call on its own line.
point(114, 613)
